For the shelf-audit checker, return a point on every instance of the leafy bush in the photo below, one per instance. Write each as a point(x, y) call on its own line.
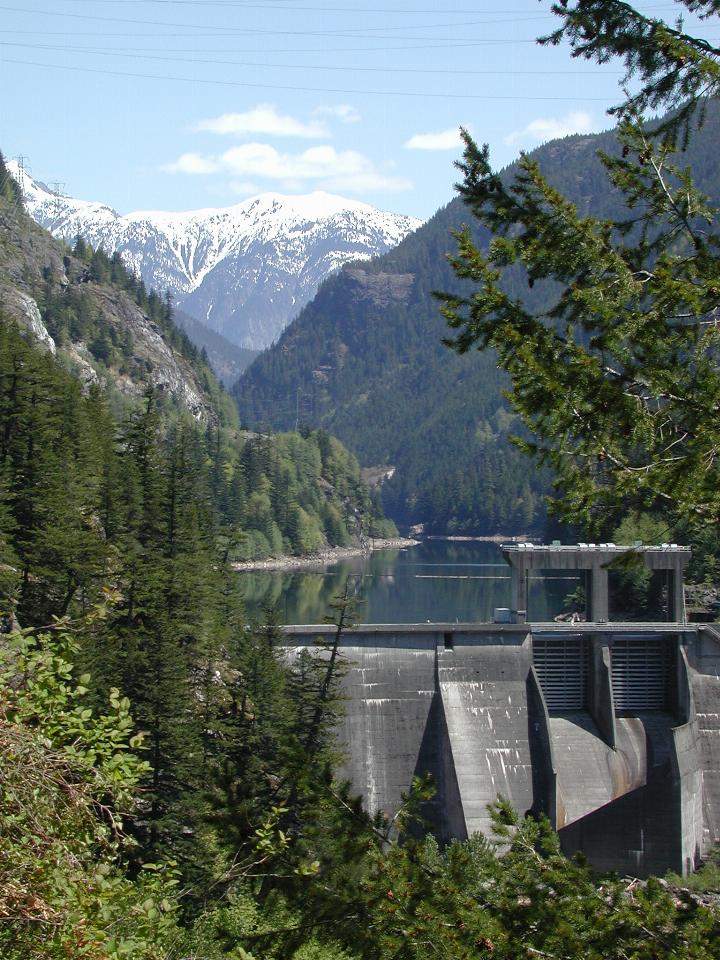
point(68, 778)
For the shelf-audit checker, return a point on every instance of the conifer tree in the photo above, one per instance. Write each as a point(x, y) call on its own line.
point(616, 374)
point(48, 471)
point(255, 734)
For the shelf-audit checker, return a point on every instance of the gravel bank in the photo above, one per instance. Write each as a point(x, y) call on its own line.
point(324, 557)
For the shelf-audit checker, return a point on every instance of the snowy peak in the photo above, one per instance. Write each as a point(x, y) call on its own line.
point(244, 270)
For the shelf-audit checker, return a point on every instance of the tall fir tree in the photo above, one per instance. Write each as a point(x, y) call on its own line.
point(616, 373)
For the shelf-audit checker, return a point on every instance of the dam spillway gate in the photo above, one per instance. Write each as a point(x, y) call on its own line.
point(641, 671)
point(562, 666)
point(612, 730)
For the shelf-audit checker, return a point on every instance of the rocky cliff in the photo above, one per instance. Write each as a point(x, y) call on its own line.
point(59, 300)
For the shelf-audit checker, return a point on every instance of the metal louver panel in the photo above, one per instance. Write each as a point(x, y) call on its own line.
point(562, 668)
point(641, 673)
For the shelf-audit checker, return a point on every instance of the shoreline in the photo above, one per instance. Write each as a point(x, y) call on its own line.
point(489, 538)
point(325, 557)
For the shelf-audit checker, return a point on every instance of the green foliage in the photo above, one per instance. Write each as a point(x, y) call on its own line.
point(367, 359)
point(274, 858)
point(365, 362)
point(101, 268)
point(283, 735)
point(51, 442)
point(299, 493)
point(705, 880)
point(80, 498)
point(638, 593)
point(234, 782)
point(615, 372)
point(512, 898)
point(73, 312)
point(667, 67)
point(69, 778)
point(245, 928)
point(86, 301)
point(145, 518)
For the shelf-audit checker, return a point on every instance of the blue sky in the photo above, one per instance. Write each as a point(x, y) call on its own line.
point(181, 104)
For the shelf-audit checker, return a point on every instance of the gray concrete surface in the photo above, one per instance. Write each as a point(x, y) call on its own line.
point(590, 774)
point(638, 833)
point(483, 692)
point(390, 689)
point(638, 792)
point(595, 560)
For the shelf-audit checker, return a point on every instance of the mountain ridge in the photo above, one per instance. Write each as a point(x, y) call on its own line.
point(364, 360)
point(243, 271)
point(98, 320)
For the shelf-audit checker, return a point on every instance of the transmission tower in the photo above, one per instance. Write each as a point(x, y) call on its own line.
point(23, 164)
point(57, 188)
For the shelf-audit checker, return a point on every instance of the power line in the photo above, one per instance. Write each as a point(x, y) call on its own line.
point(107, 51)
point(274, 86)
point(417, 44)
point(291, 5)
point(437, 42)
point(226, 28)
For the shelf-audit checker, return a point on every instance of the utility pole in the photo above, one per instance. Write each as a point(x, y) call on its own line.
point(57, 188)
point(23, 163)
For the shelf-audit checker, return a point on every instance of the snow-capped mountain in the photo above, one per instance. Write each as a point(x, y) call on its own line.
point(244, 271)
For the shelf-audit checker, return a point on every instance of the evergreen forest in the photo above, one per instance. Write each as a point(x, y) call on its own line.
point(167, 775)
point(169, 786)
point(365, 360)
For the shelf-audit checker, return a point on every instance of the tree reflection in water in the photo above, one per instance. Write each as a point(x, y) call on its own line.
point(440, 581)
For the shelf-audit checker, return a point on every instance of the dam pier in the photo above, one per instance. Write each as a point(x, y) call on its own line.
point(611, 729)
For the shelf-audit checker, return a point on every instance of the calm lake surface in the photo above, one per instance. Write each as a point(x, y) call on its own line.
point(438, 580)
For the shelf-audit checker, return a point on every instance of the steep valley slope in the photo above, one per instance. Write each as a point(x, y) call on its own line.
point(243, 271)
point(365, 360)
point(98, 321)
point(77, 329)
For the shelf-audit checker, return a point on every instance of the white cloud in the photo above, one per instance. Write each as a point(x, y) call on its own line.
point(321, 167)
point(343, 170)
point(550, 128)
point(192, 163)
point(262, 159)
point(444, 140)
point(342, 111)
point(263, 119)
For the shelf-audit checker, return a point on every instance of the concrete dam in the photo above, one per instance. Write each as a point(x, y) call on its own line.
point(610, 729)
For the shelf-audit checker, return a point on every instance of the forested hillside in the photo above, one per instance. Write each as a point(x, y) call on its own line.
point(166, 766)
point(365, 360)
point(103, 349)
point(75, 485)
point(167, 774)
point(98, 319)
point(121, 510)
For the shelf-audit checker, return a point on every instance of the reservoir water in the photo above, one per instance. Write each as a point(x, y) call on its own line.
point(437, 581)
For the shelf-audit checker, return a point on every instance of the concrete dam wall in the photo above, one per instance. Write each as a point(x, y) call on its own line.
point(612, 731)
